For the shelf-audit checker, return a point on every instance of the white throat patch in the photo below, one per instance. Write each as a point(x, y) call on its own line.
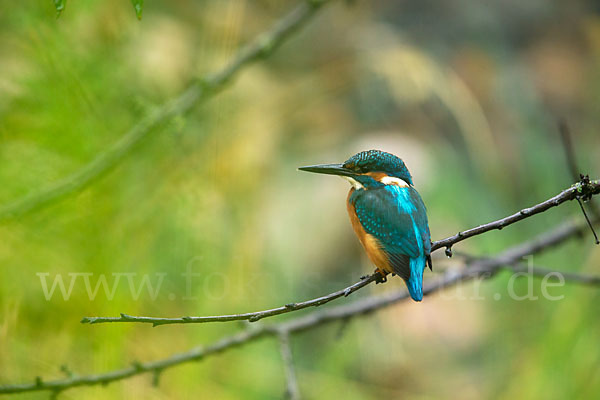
point(355, 184)
point(391, 180)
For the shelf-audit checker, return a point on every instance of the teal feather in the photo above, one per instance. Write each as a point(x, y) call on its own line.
point(397, 218)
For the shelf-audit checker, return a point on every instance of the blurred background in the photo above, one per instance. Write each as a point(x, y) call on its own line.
point(467, 93)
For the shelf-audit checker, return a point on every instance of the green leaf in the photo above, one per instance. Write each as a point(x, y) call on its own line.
point(138, 5)
point(60, 6)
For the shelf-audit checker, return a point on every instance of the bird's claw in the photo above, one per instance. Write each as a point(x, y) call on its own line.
point(381, 276)
point(347, 292)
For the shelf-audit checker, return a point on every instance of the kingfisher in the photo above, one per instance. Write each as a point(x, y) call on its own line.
point(387, 215)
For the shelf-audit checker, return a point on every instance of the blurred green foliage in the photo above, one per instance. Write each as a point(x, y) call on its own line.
point(60, 6)
point(138, 5)
point(468, 93)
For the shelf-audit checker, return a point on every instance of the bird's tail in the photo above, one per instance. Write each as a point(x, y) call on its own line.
point(415, 281)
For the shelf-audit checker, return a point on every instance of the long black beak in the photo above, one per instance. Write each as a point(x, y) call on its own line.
point(330, 169)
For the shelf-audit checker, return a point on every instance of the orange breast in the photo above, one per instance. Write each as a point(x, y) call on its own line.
point(369, 242)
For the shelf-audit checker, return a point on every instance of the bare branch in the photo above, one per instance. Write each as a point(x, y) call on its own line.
point(251, 316)
point(537, 270)
point(579, 189)
point(292, 391)
point(199, 90)
point(485, 268)
point(589, 188)
point(137, 368)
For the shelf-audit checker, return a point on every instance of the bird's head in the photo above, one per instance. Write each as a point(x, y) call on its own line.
point(368, 169)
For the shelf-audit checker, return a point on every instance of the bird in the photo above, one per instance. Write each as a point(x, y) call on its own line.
point(387, 214)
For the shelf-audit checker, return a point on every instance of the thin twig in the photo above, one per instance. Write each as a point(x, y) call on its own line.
point(587, 219)
point(565, 135)
point(251, 316)
point(590, 188)
point(479, 268)
point(537, 270)
point(138, 368)
point(199, 90)
point(292, 391)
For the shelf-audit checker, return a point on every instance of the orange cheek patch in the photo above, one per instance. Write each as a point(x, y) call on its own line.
point(386, 179)
point(378, 176)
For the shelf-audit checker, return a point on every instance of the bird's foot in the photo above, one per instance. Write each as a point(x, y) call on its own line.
point(362, 278)
point(347, 292)
point(381, 277)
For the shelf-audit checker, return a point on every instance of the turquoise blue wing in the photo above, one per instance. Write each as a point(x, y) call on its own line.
point(397, 218)
point(421, 220)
